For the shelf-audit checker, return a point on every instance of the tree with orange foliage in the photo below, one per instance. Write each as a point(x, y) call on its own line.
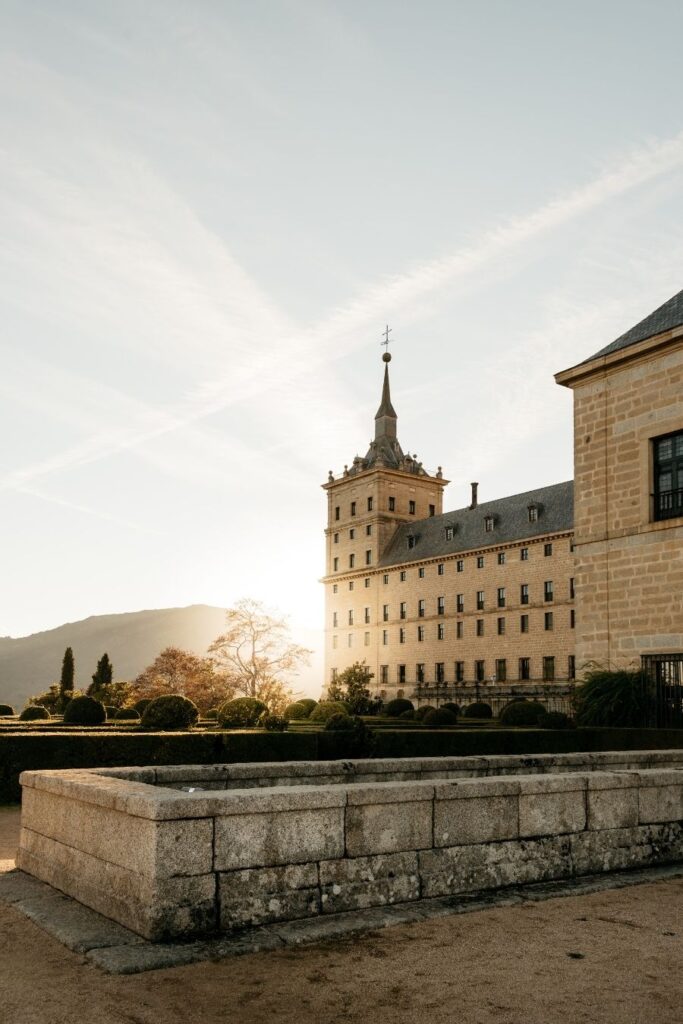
point(175, 671)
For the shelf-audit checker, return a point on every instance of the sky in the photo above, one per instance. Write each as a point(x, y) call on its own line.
point(209, 210)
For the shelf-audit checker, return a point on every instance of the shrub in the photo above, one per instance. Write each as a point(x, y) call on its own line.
point(450, 706)
point(555, 720)
point(324, 710)
point(296, 711)
point(127, 715)
point(425, 709)
point(350, 724)
point(408, 715)
point(480, 709)
point(110, 710)
point(6, 711)
point(522, 712)
point(438, 717)
point(240, 713)
point(211, 715)
point(394, 708)
point(612, 699)
point(84, 711)
point(308, 703)
point(33, 713)
point(141, 705)
point(273, 723)
point(170, 712)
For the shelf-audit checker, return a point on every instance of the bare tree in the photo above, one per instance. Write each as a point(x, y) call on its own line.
point(256, 654)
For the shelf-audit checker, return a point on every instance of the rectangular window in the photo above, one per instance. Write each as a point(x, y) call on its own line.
point(460, 602)
point(335, 588)
point(480, 671)
point(352, 561)
point(548, 621)
point(350, 616)
point(392, 504)
point(351, 585)
point(335, 564)
point(421, 608)
point(571, 667)
point(367, 639)
point(385, 578)
point(480, 627)
point(401, 673)
point(480, 600)
point(501, 558)
point(368, 529)
point(488, 524)
point(572, 619)
point(459, 671)
point(384, 674)
point(441, 606)
point(571, 589)
point(366, 615)
point(368, 557)
point(459, 630)
point(412, 540)
point(548, 590)
point(385, 637)
point(547, 550)
point(411, 507)
point(460, 565)
point(334, 675)
point(524, 623)
point(421, 572)
point(501, 597)
point(533, 514)
point(449, 533)
point(402, 610)
point(548, 670)
point(667, 459)
point(337, 512)
point(385, 613)
point(501, 670)
point(432, 510)
point(336, 538)
point(440, 631)
point(524, 593)
point(402, 576)
point(501, 627)
point(350, 640)
point(439, 674)
point(367, 582)
point(524, 668)
point(420, 633)
point(352, 534)
point(401, 635)
point(334, 642)
point(440, 569)
point(480, 561)
point(420, 672)
point(524, 554)
point(353, 508)
point(369, 504)
point(335, 619)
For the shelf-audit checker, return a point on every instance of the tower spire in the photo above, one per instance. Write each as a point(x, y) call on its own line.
point(385, 417)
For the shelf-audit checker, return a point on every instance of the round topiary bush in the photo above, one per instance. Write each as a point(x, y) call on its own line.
point(522, 712)
point(555, 720)
point(240, 713)
point(34, 713)
point(438, 717)
point(170, 712)
point(324, 710)
point(273, 723)
point(126, 715)
point(6, 711)
point(397, 706)
point(141, 704)
point(450, 706)
point(425, 709)
point(407, 716)
point(110, 710)
point(84, 711)
point(308, 703)
point(296, 712)
point(339, 723)
point(211, 715)
point(480, 709)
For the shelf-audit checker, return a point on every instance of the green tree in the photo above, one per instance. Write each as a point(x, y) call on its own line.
point(353, 687)
point(66, 680)
point(102, 677)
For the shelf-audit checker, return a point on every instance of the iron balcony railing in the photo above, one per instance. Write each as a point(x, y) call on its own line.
point(669, 504)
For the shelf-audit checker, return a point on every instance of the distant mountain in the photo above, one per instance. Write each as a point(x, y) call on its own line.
point(30, 664)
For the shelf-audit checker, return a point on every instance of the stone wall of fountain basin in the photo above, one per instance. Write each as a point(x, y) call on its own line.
point(183, 851)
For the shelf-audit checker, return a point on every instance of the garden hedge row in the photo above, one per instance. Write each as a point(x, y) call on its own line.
point(30, 750)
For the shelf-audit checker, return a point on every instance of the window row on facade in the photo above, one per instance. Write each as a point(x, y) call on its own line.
point(403, 636)
point(392, 506)
point(497, 670)
point(501, 558)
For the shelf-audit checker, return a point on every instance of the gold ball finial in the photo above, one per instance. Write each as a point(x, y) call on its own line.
point(386, 357)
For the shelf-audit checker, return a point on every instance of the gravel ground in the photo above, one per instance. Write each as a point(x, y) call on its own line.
point(611, 957)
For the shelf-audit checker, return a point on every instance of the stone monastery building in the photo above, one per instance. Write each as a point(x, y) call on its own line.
point(516, 596)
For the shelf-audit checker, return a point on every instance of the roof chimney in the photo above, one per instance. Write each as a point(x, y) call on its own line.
point(474, 495)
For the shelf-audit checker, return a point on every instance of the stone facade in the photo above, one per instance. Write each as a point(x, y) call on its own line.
point(629, 562)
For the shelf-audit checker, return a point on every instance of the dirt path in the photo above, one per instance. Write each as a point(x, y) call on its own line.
point(609, 958)
point(9, 834)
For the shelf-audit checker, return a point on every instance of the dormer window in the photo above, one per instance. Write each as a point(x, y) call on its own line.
point(412, 540)
point(533, 513)
point(489, 523)
point(450, 531)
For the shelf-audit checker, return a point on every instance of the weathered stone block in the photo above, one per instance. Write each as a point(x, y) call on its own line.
point(359, 882)
point(476, 811)
point(620, 849)
point(552, 804)
point(279, 837)
point(492, 866)
point(263, 895)
point(612, 800)
point(660, 803)
point(388, 818)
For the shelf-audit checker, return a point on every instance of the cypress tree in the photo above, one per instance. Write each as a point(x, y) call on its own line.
point(66, 680)
point(102, 675)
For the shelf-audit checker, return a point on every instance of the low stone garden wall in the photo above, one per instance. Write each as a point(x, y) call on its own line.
point(180, 851)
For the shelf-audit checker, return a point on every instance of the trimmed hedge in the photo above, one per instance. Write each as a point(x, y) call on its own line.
point(480, 709)
point(33, 713)
point(170, 712)
point(396, 707)
point(241, 713)
point(522, 712)
point(126, 715)
point(439, 717)
point(26, 751)
point(326, 708)
point(84, 711)
point(7, 711)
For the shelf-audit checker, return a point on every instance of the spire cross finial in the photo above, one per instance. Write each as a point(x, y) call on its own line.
point(385, 334)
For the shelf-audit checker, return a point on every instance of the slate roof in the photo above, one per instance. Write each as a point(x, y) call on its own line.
point(669, 315)
point(511, 523)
